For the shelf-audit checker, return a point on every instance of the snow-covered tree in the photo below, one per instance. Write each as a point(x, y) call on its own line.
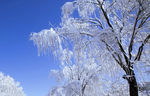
point(8, 87)
point(115, 33)
point(79, 75)
point(84, 77)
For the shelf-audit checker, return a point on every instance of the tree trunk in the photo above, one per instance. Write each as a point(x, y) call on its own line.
point(133, 87)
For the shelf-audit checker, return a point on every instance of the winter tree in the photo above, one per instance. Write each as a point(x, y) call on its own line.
point(84, 77)
point(115, 33)
point(8, 87)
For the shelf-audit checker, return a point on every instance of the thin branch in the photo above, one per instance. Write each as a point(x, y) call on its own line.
point(115, 58)
point(105, 14)
point(86, 34)
point(124, 53)
point(143, 21)
point(97, 22)
point(133, 35)
point(141, 48)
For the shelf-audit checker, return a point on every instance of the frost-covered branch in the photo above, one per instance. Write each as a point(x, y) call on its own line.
point(141, 48)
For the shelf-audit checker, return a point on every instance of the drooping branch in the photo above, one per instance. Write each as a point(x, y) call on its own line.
point(96, 21)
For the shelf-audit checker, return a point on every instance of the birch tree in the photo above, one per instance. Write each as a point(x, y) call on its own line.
point(116, 33)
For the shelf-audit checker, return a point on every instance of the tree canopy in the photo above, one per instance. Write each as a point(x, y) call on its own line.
point(111, 35)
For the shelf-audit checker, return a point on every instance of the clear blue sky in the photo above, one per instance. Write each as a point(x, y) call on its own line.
point(18, 55)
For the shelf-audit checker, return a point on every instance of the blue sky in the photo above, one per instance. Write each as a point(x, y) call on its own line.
point(18, 55)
